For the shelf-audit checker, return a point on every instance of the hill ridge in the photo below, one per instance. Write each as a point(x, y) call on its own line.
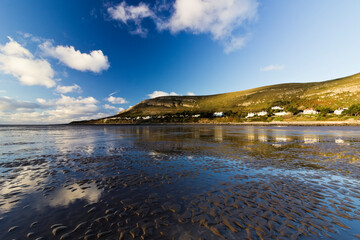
point(332, 94)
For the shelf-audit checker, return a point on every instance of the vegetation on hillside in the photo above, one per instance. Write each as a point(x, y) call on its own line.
point(325, 97)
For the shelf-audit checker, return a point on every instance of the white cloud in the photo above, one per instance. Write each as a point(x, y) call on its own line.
point(107, 106)
point(2, 91)
point(20, 63)
point(272, 68)
point(234, 43)
point(23, 117)
point(31, 37)
point(110, 107)
point(95, 61)
point(221, 19)
point(116, 100)
point(131, 14)
point(70, 108)
point(156, 94)
point(10, 104)
point(13, 48)
point(125, 13)
point(68, 89)
point(62, 110)
point(42, 101)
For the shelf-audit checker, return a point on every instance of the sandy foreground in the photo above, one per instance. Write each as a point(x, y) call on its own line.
point(179, 182)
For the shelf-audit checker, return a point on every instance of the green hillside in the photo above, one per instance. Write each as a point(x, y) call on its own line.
point(333, 94)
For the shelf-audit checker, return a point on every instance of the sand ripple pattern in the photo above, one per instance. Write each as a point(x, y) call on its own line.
point(179, 183)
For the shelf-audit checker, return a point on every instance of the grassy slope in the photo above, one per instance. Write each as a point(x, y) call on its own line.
point(336, 93)
point(342, 92)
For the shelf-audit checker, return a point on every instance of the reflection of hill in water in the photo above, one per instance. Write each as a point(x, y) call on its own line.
point(174, 182)
point(285, 148)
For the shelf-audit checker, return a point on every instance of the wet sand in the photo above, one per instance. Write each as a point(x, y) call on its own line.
point(179, 182)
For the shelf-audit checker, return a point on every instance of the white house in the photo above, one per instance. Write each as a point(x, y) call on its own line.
point(196, 115)
point(250, 115)
point(339, 111)
point(310, 111)
point(283, 113)
point(277, 108)
point(262, 113)
point(218, 114)
point(146, 117)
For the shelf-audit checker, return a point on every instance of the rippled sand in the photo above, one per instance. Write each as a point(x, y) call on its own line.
point(179, 182)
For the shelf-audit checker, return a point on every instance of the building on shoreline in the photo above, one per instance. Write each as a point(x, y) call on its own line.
point(262, 113)
point(277, 108)
point(340, 111)
point(310, 111)
point(250, 115)
point(283, 113)
point(218, 114)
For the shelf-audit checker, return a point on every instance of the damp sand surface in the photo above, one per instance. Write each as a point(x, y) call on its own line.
point(179, 182)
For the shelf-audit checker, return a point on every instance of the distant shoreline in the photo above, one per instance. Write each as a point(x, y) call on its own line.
point(274, 123)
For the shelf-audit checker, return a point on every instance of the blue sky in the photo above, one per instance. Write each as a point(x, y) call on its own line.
point(71, 60)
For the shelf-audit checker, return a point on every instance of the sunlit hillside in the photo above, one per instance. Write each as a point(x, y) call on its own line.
point(333, 94)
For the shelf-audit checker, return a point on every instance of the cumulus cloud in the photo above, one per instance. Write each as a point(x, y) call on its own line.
point(156, 94)
point(131, 14)
point(20, 63)
point(68, 89)
point(107, 106)
point(68, 109)
point(23, 117)
point(221, 19)
point(70, 106)
point(95, 61)
point(125, 13)
point(110, 107)
point(61, 110)
point(218, 18)
point(10, 104)
point(272, 68)
point(43, 102)
point(116, 100)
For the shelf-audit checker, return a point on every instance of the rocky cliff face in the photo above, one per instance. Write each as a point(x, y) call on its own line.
point(173, 102)
point(169, 103)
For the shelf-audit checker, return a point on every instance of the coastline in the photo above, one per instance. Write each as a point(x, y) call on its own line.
point(273, 123)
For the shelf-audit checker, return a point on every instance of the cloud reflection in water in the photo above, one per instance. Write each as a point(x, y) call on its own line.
point(66, 196)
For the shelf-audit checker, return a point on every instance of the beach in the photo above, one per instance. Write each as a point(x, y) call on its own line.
point(179, 182)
